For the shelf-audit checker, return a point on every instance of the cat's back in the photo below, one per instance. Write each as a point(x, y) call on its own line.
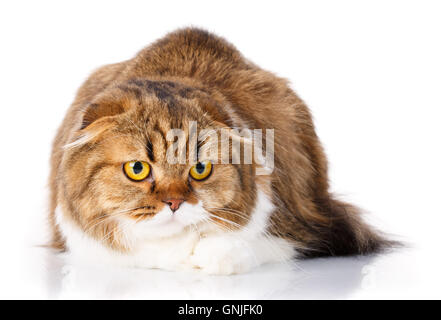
point(201, 57)
point(189, 52)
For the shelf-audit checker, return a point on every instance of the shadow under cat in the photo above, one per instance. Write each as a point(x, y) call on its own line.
point(325, 278)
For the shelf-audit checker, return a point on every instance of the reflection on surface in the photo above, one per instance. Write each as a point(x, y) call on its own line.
point(331, 278)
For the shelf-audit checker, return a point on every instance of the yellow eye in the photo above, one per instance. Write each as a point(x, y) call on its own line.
point(201, 170)
point(136, 170)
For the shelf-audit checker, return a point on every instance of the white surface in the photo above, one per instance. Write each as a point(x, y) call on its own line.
point(370, 72)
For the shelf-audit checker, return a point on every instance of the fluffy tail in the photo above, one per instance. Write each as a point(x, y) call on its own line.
point(345, 233)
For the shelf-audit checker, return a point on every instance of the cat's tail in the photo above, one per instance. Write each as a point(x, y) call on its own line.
point(346, 233)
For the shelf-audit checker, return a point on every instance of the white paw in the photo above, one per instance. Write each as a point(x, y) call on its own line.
point(223, 256)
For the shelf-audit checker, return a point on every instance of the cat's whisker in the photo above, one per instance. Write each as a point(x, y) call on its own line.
point(263, 227)
point(100, 221)
point(266, 235)
point(119, 229)
point(240, 214)
point(225, 220)
point(107, 216)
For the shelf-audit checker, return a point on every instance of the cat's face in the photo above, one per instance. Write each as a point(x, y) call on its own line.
point(120, 175)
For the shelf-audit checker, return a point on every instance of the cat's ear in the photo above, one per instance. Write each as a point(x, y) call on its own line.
point(97, 117)
point(98, 110)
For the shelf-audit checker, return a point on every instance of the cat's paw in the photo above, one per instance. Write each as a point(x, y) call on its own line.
point(222, 256)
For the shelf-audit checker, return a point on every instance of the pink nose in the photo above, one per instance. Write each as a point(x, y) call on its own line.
point(173, 203)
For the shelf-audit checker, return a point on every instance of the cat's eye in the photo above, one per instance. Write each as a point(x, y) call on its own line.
point(201, 170)
point(136, 170)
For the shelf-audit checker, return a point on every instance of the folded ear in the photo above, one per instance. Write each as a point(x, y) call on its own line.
point(103, 110)
point(97, 110)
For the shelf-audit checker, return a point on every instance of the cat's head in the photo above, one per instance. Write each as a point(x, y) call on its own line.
point(120, 170)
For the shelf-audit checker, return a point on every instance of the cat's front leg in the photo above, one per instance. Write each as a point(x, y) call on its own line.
point(231, 254)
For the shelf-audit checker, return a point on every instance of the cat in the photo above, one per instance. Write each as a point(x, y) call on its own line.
point(116, 199)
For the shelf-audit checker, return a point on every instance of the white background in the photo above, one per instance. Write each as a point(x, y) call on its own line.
point(370, 72)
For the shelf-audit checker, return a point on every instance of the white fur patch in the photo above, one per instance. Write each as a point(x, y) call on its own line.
point(146, 251)
point(183, 240)
point(240, 251)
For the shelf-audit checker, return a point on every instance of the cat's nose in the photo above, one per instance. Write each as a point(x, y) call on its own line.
point(173, 203)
